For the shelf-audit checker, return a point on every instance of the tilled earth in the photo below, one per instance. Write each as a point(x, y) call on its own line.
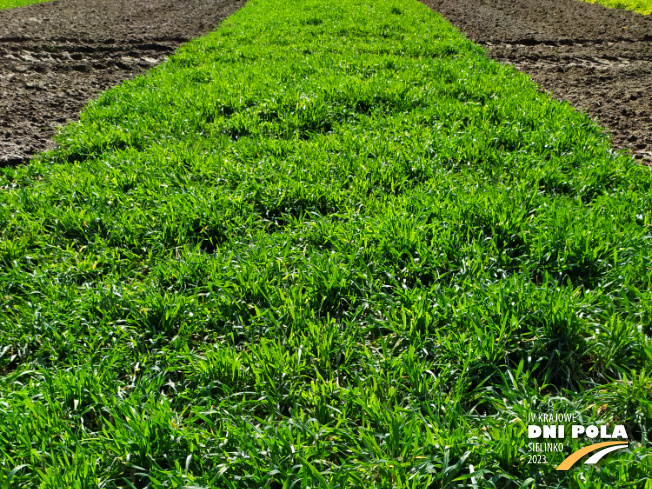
point(56, 56)
point(598, 59)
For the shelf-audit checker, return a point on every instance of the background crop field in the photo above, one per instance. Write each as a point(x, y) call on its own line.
point(641, 6)
point(4, 4)
point(331, 244)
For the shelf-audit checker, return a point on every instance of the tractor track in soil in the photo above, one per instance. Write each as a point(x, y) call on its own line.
point(55, 57)
point(598, 59)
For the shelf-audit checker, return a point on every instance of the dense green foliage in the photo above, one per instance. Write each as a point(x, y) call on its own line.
point(641, 6)
point(18, 3)
point(331, 244)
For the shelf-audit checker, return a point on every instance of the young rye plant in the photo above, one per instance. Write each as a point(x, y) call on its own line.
point(331, 244)
point(641, 6)
point(5, 4)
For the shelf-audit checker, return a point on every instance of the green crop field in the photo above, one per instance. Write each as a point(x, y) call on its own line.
point(331, 244)
point(641, 6)
point(4, 4)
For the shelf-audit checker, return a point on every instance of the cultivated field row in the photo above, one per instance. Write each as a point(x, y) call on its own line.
point(330, 244)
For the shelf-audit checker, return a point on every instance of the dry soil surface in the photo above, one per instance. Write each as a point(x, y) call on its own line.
point(56, 56)
point(598, 59)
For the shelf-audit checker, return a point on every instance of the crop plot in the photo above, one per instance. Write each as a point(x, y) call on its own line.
point(641, 6)
point(598, 59)
point(5, 4)
point(55, 57)
point(330, 244)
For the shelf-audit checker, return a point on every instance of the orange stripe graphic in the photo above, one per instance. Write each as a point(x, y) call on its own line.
point(574, 457)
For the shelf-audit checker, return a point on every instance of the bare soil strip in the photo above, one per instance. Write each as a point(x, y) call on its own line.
point(56, 56)
point(598, 59)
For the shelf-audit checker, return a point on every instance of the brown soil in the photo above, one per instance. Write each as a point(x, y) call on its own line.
point(56, 56)
point(598, 59)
